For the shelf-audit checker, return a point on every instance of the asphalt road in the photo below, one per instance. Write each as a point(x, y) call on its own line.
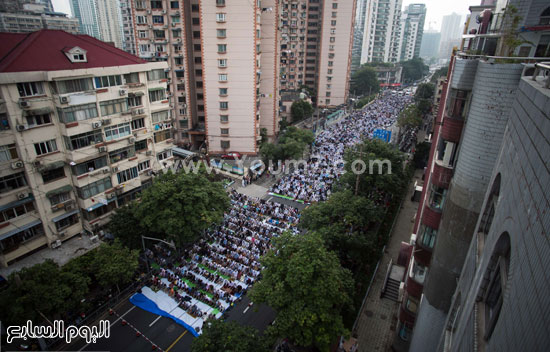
point(160, 331)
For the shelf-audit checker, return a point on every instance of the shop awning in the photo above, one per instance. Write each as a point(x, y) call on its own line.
point(64, 216)
point(20, 229)
point(41, 111)
point(98, 204)
point(54, 192)
point(157, 88)
point(182, 152)
point(16, 203)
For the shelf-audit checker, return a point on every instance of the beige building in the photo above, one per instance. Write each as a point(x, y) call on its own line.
point(30, 22)
point(81, 132)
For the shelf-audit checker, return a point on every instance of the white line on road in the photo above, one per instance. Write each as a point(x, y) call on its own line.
point(154, 321)
point(247, 308)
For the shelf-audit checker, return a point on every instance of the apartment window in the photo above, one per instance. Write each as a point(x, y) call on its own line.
point(160, 116)
point(108, 81)
point(138, 124)
point(144, 165)
point(156, 4)
point(223, 91)
point(327, 101)
point(418, 272)
point(141, 145)
point(74, 85)
point(329, 86)
point(332, 39)
point(437, 197)
point(334, 14)
point(94, 188)
point(59, 198)
point(155, 75)
point(52, 175)
point(11, 243)
point(221, 33)
point(176, 33)
point(174, 5)
point(197, 47)
point(141, 19)
point(224, 144)
point(8, 152)
point(198, 60)
point(331, 47)
point(180, 73)
point(13, 181)
point(196, 21)
point(222, 77)
point(222, 48)
point(157, 95)
point(45, 147)
point(224, 131)
point(331, 63)
point(196, 34)
point(163, 135)
point(111, 107)
point(457, 105)
point(131, 77)
point(12, 213)
point(122, 154)
point(144, 48)
point(89, 166)
point(4, 122)
point(220, 2)
point(159, 34)
point(427, 236)
point(178, 61)
point(117, 131)
point(327, 94)
point(83, 140)
point(329, 78)
point(184, 123)
point(164, 155)
point(140, 4)
point(30, 88)
point(127, 175)
point(37, 120)
point(224, 118)
point(66, 222)
point(329, 71)
point(222, 63)
point(224, 105)
point(134, 101)
point(334, 5)
point(220, 17)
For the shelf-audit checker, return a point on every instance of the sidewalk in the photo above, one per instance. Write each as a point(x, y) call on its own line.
point(377, 322)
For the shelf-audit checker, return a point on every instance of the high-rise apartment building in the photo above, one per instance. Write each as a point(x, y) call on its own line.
point(24, 16)
point(430, 44)
point(101, 19)
point(412, 29)
point(451, 32)
point(25, 5)
point(83, 126)
point(358, 33)
point(86, 12)
point(381, 39)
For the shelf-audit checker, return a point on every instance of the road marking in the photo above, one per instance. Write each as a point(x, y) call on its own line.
point(247, 308)
point(154, 321)
point(176, 341)
point(113, 323)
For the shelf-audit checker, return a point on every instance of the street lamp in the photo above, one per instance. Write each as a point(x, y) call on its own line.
point(143, 238)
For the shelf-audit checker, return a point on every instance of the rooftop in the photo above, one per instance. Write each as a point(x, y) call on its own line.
point(44, 51)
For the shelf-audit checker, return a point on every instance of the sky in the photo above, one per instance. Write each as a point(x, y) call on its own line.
point(436, 9)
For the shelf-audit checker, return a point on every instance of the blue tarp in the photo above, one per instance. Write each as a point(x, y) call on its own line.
point(145, 303)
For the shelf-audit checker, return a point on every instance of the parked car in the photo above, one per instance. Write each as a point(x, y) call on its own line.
point(231, 156)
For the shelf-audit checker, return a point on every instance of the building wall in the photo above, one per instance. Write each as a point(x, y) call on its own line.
point(383, 17)
point(86, 12)
point(110, 21)
point(23, 22)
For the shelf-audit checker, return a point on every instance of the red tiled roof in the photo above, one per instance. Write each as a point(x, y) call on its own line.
point(43, 51)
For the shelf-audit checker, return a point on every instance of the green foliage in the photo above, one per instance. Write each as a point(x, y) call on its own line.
point(292, 144)
point(510, 33)
point(181, 205)
point(364, 101)
point(114, 264)
point(263, 134)
point(301, 109)
point(305, 284)
point(414, 69)
point(125, 226)
point(42, 288)
point(364, 82)
point(424, 97)
point(410, 117)
point(442, 71)
point(421, 153)
point(218, 335)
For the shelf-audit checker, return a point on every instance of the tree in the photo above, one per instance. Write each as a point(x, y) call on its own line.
point(411, 117)
point(114, 264)
point(300, 135)
point(218, 335)
point(424, 97)
point(414, 69)
point(182, 205)
point(125, 226)
point(292, 144)
point(365, 82)
point(301, 109)
point(305, 284)
point(442, 71)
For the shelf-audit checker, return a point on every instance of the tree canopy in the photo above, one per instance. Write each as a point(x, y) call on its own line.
point(410, 117)
point(365, 81)
point(218, 335)
point(125, 226)
point(414, 69)
point(115, 264)
point(292, 144)
point(301, 109)
point(442, 71)
point(424, 97)
point(305, 284)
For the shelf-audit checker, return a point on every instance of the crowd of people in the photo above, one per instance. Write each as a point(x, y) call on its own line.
point(313, 182)
point(222, 265)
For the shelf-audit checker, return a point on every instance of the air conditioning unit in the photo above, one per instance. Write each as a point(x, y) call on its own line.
point(20, 127)
point(96, 124)
point(17, 165)
point(24, 104)
point(131, 140)
point(102, 149)
point(114, 169)
point(57, 243)
point(149, 153)
point(122, 92)
point(22, 195)
point(64, 100)
point(105, 122)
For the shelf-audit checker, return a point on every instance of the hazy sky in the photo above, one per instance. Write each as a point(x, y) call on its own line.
point(436, 9)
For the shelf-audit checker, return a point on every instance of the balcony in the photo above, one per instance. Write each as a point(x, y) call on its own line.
point(431, 217)
point(452, 129)
point(441, 175)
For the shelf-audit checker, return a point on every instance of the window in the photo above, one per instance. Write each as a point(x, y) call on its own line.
point(222, 62)
point(74, 85)
point(427, 236)
point(221, 33)
point(79, 58)
point(158, 19)
point(155, 75)
point(164, 155)
point(220, 2)
point(411, 304)
point(159, 116)
point(77, 113)
point(13, 181)
point(83, 140)
point(176, 33)
point(141, 145)
point(94, 188)
point(224, 131)
point(11, 243)
point(156, 4)
point(333, 23)
point(162, 135)
point(122, 154)
point(545, 17)
point(457, 104)
point(59, 198)
point(89, 166)
point(327, 94)
point(157, 95)
point(127, 175)
point(329, 71)
point(30, 88)
point(134, 101)
point(334, 14)
point(224, 118)
point(224, 105)
point(143, 34)
point(4, 122)
point(437, 197)
point(330, 63)
point(108, 81)
point(334, 5)
point(220, 17)
point(225, 144)
point(111, 107)
point(45, 147)
point(37, 120)
point(144, 165)
point(118, 131)
point(195, 21)
point(223, 91)
point(418, 272)
point(8, 152)
point(138, 124)
point(52, 175)
point(12, 213)
point(222, 77)
point(141, 19)
point(222, 48)
point(174, 5)
point(446, 153)
point(184, 123)
point(405, 331)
